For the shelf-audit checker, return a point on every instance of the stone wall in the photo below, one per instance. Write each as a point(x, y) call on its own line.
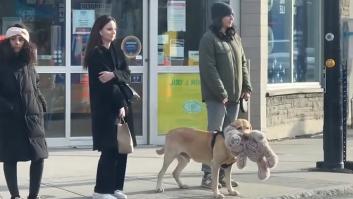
point(294, 114)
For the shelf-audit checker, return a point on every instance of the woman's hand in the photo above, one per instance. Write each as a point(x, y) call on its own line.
point(122, 113)
point(246, 95)
point(225, 100)
point(105, 76)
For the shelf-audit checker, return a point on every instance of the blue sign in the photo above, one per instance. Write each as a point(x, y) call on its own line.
point(131, 46)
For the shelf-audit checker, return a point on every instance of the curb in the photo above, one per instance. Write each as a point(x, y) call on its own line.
point(321, 193)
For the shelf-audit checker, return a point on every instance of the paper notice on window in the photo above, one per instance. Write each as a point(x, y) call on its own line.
point(82, 21)
point(177, 48)
point(193, 58)
point(160, 58)
point(163, 39)
point(176, 11)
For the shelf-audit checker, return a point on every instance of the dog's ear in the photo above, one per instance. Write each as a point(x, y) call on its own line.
point(247, 122)
point(235, 122)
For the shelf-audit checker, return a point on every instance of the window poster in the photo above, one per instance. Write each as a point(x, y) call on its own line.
point(160, 57)
point(177, 48)
point(179, 102)
point(163, 39)
point(193, 58)
point(176, 14)
point(82, 21)
point(163, 50)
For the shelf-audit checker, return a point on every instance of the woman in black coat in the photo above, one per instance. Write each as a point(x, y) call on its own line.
point(107, 68)
point(21, 111)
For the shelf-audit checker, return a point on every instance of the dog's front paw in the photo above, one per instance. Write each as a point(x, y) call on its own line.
point(234, 193)
point(159, 190)
point(218, 196)
point(183, 186)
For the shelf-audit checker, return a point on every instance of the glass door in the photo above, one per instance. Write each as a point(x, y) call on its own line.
point(176, 27)
point(131, 24)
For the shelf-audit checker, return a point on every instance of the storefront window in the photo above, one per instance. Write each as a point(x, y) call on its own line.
point(53, 88)
point(306, 41)
point(46, 23)
point(128, 14)
point(181, 25)
point(294, 41)
point(80, 105)
point(279, 41)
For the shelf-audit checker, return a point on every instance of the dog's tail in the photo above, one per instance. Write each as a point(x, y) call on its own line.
point(160, 151)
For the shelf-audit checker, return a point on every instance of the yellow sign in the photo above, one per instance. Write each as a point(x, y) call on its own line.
point(179, 102)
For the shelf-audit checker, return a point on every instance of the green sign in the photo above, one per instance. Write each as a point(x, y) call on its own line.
point(179, 102)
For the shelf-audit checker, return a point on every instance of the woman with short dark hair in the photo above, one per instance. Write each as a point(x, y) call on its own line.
point(21, 111)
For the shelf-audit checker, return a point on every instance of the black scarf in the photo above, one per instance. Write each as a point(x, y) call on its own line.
point(227, 36)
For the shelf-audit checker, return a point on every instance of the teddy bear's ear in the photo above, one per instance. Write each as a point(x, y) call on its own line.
point(258, 135)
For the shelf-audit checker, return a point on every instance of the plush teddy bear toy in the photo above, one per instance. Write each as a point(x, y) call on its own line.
point(253, 146)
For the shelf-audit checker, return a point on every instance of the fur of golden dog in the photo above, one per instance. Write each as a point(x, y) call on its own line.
point(184, 144)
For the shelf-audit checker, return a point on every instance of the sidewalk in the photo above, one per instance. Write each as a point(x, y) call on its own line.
point(70, 174)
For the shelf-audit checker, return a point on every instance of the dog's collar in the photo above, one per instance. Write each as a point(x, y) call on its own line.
point(224, 166)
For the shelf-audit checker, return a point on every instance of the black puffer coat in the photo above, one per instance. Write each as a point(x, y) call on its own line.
point(21, 112)
point(106, 98)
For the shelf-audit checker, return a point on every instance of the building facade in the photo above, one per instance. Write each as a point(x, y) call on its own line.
point(282, 40)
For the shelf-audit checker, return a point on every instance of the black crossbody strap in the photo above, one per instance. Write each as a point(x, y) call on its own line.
point(214, 136)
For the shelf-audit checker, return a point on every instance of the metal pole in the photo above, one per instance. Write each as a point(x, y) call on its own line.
point(333, 97)
point(348, 165)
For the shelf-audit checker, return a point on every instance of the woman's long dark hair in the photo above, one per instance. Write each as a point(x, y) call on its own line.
point(26, 55)
point(216, 27)
point(95, 38)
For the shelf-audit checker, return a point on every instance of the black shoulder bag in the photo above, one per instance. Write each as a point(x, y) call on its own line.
point(129, 93)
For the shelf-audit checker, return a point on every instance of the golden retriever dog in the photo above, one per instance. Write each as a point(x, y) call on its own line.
point(184, 144)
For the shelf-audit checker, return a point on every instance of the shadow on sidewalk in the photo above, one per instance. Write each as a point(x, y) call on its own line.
point(172, 191)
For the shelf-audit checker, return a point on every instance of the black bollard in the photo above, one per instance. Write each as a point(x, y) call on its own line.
point(333, 98)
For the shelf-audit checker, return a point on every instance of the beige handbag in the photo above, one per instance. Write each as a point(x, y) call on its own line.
point(125, 143)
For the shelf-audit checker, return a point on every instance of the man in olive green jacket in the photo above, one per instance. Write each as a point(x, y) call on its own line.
point(223, 73)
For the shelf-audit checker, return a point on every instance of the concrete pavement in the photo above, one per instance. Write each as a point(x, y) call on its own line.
point(70, 174)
